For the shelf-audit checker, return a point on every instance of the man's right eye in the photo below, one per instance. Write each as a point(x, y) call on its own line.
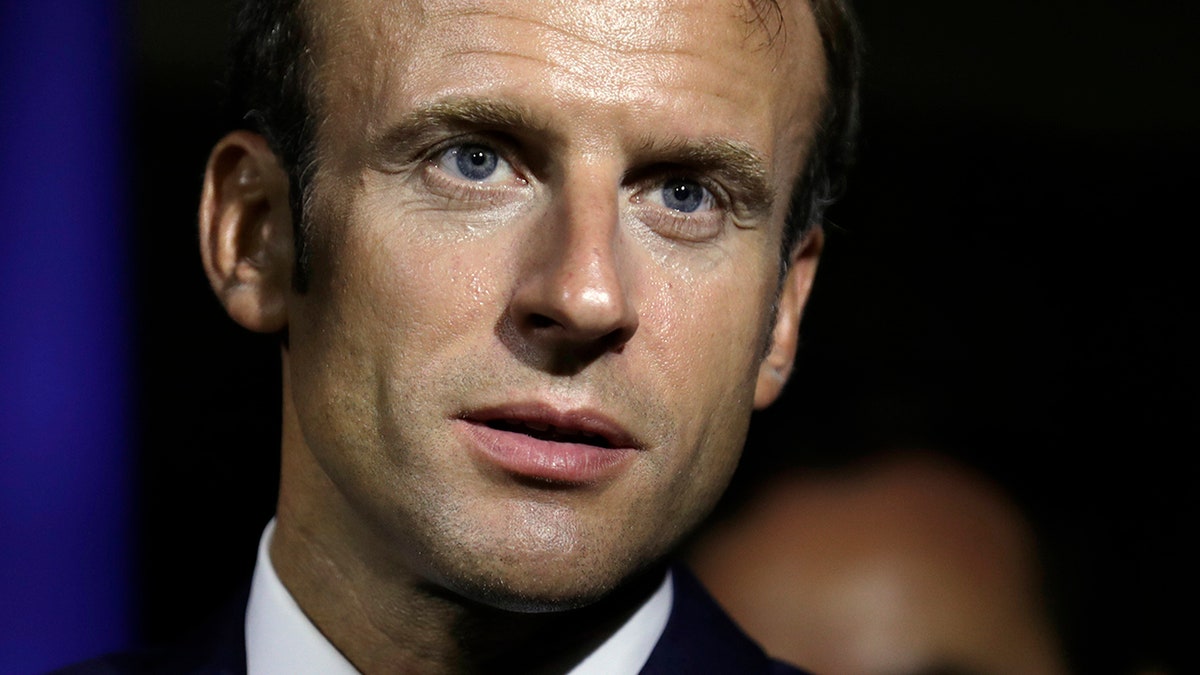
point(474, 162)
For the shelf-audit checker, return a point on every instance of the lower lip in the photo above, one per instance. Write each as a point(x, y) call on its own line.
point(550, 461)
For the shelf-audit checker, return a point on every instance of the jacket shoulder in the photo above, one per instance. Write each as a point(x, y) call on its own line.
point(701, 638)
point(219, 648)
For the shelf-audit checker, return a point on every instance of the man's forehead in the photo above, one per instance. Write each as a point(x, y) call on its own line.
point(677, 68)
point(360, 39)
point(625, 23)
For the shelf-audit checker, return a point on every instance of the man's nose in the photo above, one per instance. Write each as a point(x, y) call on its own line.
point(576, 288)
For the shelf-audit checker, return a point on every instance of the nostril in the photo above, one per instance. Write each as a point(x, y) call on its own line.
point(541, 321)
point(615, 341)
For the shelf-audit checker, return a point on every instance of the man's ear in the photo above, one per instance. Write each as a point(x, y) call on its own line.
point(246, 231)
point(774, 370)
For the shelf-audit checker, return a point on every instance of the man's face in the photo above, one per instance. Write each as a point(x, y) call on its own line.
point(545, 252)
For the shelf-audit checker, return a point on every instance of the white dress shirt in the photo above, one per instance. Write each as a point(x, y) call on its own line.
point(280, 639)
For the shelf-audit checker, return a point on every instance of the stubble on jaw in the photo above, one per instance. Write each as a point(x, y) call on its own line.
point(545, 533)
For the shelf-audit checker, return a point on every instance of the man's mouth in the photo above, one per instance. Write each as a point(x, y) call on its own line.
point(550, 432)
point(547, 444)
point(551, 424)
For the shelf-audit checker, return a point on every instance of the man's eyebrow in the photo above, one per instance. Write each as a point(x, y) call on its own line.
point(743, 168)
point(457, 114)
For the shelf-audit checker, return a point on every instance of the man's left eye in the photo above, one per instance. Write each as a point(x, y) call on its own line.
point(684, 195)
point(474, 162)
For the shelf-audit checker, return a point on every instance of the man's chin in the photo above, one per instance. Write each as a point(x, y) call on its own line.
point(530, 592)
point(525, 595)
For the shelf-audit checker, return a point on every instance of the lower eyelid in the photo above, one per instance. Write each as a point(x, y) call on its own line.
point(698, 226)
point(465, 191)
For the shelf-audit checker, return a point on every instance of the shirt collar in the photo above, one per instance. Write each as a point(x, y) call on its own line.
point(280, 639)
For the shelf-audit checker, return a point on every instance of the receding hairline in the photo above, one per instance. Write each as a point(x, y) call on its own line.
point(821, 176)
point(767, 14)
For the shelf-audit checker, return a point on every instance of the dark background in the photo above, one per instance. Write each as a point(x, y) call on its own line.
point(1009, 281)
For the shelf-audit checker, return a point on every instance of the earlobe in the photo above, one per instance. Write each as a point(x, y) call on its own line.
point(775, 368)
point(246, 231)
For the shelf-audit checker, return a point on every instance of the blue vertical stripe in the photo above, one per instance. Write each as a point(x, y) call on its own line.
point(65, 451)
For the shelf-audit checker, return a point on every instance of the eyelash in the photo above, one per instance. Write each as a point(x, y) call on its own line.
point(688, 227)
point(694, 226)
point(463, 190)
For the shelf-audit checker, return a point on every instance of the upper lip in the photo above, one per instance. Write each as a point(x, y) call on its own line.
point(537, 417)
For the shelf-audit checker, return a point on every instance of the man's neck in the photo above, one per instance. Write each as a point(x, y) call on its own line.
point(387, 622)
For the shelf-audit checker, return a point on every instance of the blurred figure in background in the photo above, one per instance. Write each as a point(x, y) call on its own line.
point(904, 564)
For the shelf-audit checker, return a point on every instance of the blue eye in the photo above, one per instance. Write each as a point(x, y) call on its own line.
point(684, 195)
point(471, 161)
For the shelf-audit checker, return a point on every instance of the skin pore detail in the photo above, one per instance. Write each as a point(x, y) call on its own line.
point(544, 299)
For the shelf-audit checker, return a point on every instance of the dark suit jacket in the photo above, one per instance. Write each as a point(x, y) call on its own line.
point(699, 638)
